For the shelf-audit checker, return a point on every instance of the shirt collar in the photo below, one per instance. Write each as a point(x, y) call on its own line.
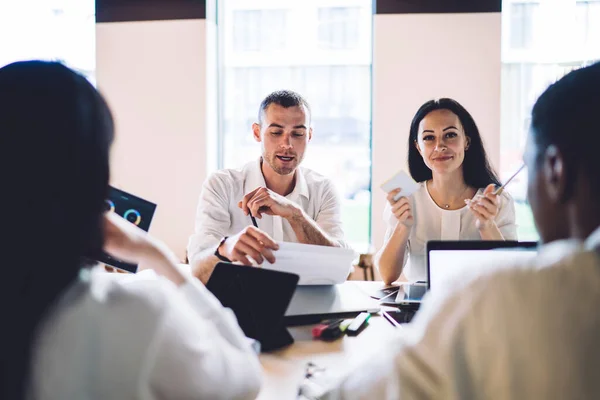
point(255, 178)
point(301, 185)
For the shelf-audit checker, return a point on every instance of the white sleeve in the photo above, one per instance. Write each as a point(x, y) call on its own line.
point(200, 352)
point(212, 217)
point(329, 217)
point(506, 217)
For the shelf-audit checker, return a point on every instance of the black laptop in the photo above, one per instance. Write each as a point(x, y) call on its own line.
point(451, 259)
point(259, 298)
point(447, 258)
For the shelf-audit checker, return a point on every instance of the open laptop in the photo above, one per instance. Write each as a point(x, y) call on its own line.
point(134, 209)
point(447, 260)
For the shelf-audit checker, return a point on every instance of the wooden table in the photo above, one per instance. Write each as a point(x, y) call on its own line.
point(284, 369)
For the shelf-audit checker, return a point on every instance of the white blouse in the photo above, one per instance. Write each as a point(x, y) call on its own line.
point(435, 223)
point(116, 336)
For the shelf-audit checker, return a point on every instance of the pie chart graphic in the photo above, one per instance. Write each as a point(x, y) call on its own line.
point(133, 216)
point(110, 206)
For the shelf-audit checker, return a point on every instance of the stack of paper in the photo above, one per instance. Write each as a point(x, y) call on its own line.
point(316, 265)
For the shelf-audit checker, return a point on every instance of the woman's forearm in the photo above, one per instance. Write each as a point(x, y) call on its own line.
point(390, 259)
point(491, 233)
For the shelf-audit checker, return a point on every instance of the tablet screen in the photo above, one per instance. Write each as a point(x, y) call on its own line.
point(135, 210)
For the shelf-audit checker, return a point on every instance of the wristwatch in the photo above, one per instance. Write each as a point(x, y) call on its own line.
point(219, 256)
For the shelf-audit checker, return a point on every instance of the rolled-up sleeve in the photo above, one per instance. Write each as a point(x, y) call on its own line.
point(329, 217)
point(212, 217)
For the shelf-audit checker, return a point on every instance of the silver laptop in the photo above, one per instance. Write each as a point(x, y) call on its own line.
point(311, 304)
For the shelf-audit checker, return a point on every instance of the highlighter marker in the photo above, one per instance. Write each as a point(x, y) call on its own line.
point(356, 325)
point(345, 324)
point(318, 330)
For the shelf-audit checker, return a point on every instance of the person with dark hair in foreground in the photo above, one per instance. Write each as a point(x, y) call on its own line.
point(288, 203)
point(456, 199)
point(76, 332)
point(527, 331)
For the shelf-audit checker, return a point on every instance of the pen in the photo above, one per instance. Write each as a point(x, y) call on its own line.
point(253, 220)
point(501, 188)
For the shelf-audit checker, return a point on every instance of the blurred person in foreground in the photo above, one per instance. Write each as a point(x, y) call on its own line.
point(527, 331)
point(75, 331)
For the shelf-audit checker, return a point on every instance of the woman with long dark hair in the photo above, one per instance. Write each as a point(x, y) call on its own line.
point(456, 199)
point(71, 331)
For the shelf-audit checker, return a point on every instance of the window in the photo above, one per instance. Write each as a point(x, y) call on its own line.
point(58, 30)
point(264, 48)
point(562, 38)
point(522, 24)
point(339, 28)
point(259, 30)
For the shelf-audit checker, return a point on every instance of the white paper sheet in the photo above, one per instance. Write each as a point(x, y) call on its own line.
point(401, 180)
point(316, 265)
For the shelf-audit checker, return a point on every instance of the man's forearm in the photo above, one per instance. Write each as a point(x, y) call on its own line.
point(203, 264)
point(308, 232)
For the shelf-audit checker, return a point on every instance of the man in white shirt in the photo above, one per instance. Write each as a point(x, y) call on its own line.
point(289, 203)
point(528, 331)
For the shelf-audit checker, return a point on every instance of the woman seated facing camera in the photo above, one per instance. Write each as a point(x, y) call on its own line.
point(456, 199)
point(78, 332)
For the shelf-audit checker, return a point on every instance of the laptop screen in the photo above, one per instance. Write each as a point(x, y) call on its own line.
point(447, 262)
point(135, 210)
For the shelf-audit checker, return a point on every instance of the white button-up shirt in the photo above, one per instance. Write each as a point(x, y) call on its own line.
point(218, 214)
point(116, 336)
point(527, 331)
point(435, 223)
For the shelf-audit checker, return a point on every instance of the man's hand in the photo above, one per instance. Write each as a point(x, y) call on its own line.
point(264, 201)
point(249, 243)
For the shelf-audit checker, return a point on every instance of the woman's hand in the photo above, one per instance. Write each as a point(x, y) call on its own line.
point(401, 209)
point(485, 208)
point(127, 242)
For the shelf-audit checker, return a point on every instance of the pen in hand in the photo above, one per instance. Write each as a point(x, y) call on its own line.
point(501, 188)
point(253, 220)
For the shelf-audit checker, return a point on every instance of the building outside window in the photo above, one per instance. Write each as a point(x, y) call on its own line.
point(322, 50)
point(541, 42)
